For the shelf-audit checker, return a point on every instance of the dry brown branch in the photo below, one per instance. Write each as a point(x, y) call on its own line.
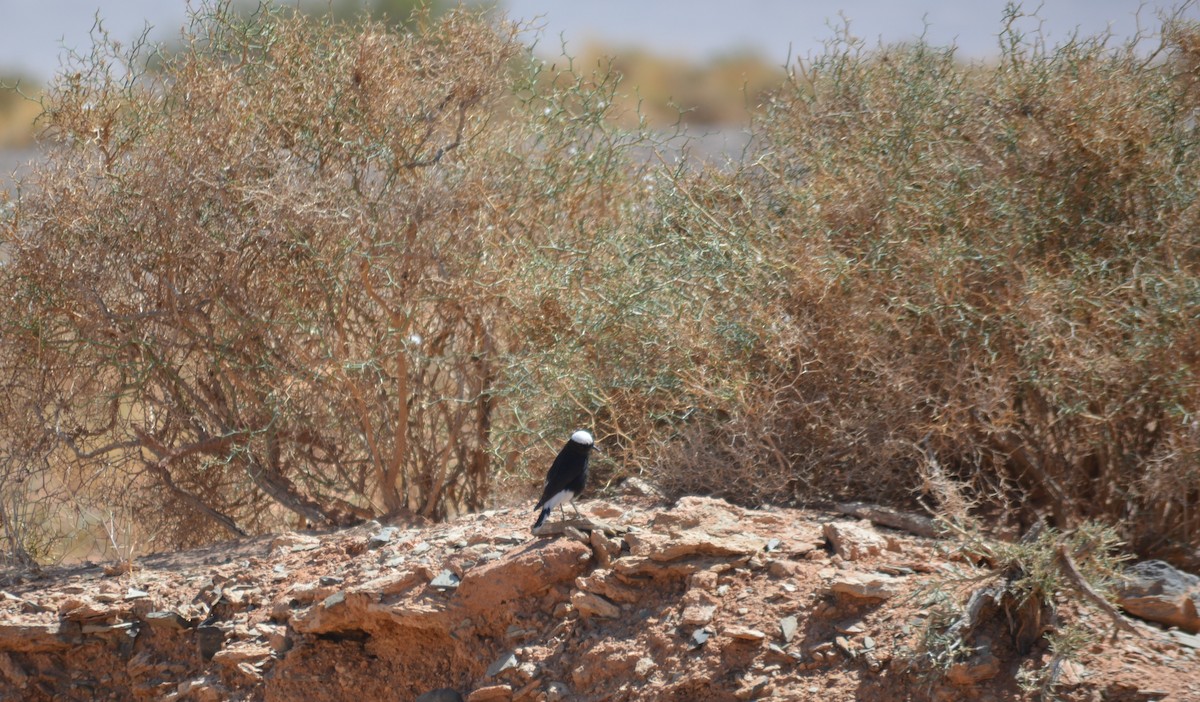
point(889, 517)
point(1080, 583)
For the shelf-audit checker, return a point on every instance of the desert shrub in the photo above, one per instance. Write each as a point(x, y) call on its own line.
point(317, 270)
point(273, 275)
point(989, 283)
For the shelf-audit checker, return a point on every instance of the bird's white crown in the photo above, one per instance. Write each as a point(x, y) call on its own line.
point(582, 437)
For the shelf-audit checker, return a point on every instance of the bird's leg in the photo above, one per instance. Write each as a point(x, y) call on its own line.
point(562, 512)
point(577, 512)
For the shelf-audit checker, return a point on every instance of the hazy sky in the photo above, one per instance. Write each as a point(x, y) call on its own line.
point(34, 32)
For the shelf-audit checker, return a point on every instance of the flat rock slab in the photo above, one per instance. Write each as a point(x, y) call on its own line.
point(1157, 592)
point(855, 541)
point(445, 580)
point(886, 516)
point(865, 585)
point(166, 620)
point(32, 635)
point(691, 542)
point(491, 693)
point(744, 633)
point(528, 572)
point(592, 605)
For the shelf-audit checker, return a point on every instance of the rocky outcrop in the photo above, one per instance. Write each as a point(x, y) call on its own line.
point(700, 601)
point(531, 571)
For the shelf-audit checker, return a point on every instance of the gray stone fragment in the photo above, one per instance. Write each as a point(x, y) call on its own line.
point(382, 537)
point(446, 580)
point(788, 626)
point(503, 663)
point(167, 621)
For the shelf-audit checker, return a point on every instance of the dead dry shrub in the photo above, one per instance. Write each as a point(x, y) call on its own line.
point(990, 270)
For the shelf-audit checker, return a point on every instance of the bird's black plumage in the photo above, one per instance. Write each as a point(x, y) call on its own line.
point(567, 475)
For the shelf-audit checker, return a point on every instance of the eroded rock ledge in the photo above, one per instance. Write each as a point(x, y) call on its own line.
point(702, 600)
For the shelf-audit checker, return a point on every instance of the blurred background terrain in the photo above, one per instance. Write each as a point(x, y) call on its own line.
point(704, 57)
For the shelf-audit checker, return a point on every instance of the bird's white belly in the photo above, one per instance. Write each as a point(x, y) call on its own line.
point(560, 498)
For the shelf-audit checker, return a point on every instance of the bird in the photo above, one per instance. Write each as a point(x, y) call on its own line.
point(567, 475)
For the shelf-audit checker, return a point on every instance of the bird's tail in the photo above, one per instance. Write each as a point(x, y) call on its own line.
point(542, 517)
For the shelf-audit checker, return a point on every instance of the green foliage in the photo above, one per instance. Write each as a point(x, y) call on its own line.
point(1010, 600)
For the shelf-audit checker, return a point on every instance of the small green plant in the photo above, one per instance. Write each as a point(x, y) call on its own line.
point(1012, 596)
